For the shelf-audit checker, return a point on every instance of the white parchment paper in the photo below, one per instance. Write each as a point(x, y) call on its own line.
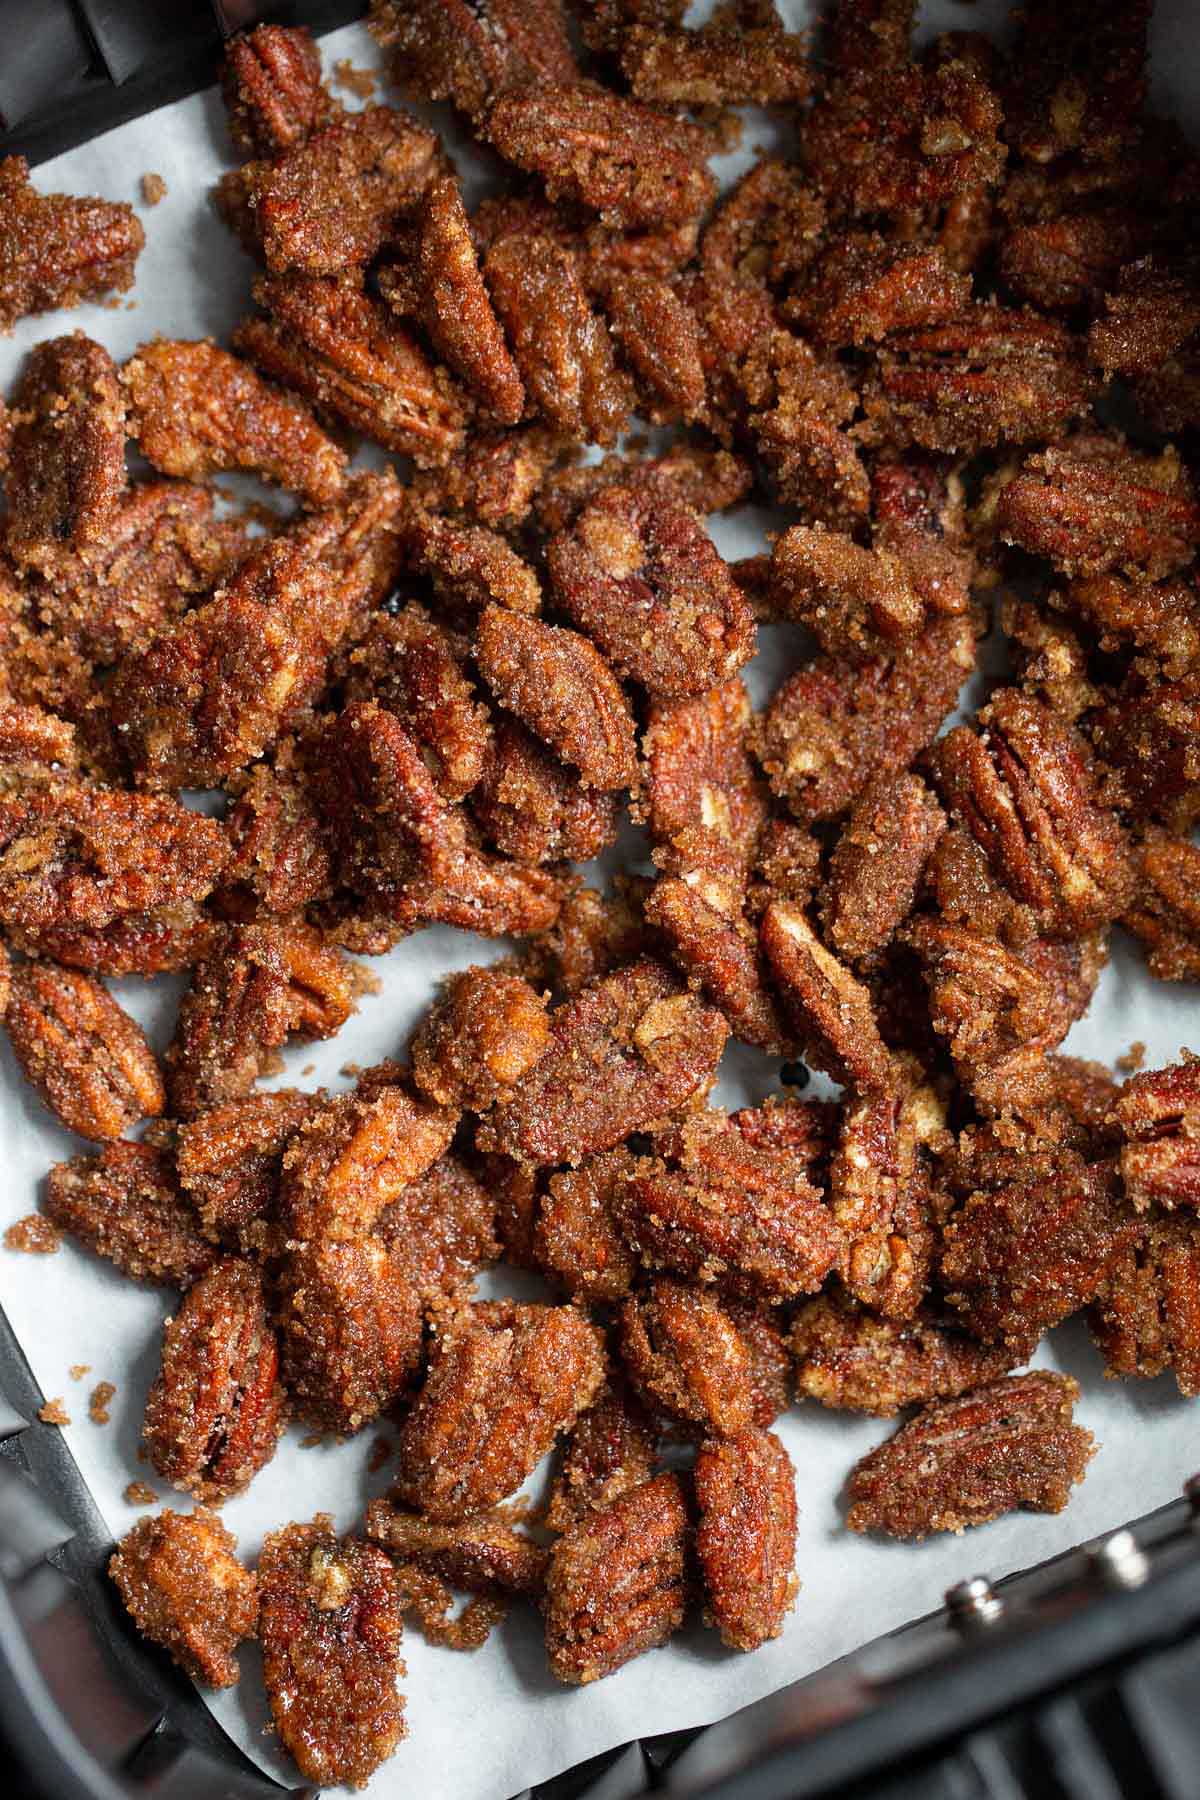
point(485, 1726)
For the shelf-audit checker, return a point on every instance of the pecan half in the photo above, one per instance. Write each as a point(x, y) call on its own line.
point(685, 1355)
point(184, 1588)
point(1146, 1318)
point(660, 338)
point(228, 1160)
point(697, 770)
point(1094, 505)
point(469, 50)
point(66, 454)
point(699, 914)
point(59, 249)
point(880, 1192)
point(441, 1228)
point(86, 1057)
point(274, 96)
point(877, 864)
point(1159, 1116)
point(126, 1204)
point(349, 1327)
point(480, 1039)
point(852, 600)
point(353, 1158)
point(484, 1557)
point(575, 1239)
point(861, 287)
point(746, 1536)
point(609, 1452)
point(831, 1011)
point(532, 807)
point(854, 1361)
point(1151, 735)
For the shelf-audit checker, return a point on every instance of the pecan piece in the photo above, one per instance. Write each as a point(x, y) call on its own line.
point(877, 864)
point(470, 567)
point(799, 408)
point(919, 514)
point(861, 287)
point(1158, 1113)
point(274, 95)
point(229, 1159)
point(413, 667)
point(1146, 1318)
point(185, 1590)
point(684, 1354)
point(831, 1010)
point(746, 1536)
point(575, 1241)
point(661, 340)
point(353, 1158)
point(195, 410)
point(855, 1361)
point(1150, 735)
point(280, 861)
point(698, 775)
point(469, 50)
point(125, 1204)
point(159, 942)
point(441, 1228)
point(215, 1411)
point(66, 455)
point(59, 249)
point(880, 1192)
point(330, 1623)
point(962, 1462)
point(638, 572)
point(699, 914)
point(560, 686)
point(533, 807)
point(349, 1327)
point(85, 1056)
point(628, 1050)
point(480, 1039)
point(1094, 505)
point(609, 1452)
point(617, 1582)
point(497, 474)
point(484, 1557)
point(741, 55)
point(504, 1381)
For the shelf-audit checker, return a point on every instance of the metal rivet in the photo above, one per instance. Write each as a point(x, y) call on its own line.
point(973, 1602)
point(1121, 1561)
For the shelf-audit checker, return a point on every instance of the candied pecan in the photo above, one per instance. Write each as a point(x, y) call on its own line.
point(413, 666)
point(35, 747)
point(215, 1411)
point(280, 861)
point(800, 406)
point(628, 1050)
point(610, 1451)
point(162, 941)
point(228, 1160)
point(862, 287)
point(1150, 734)
point(801, 1131)
point(630, 163)
point(1165, 912)
point(831, 1010)
point(990, 376)
point(698, 773)
point(1094, 505)
point(877, 864)
point(195, 410)
point(86, 857)
point(327, 340)
point(685, 1355)
point(767, 227)
point(708, 481)
point(354, 1156)
point(497, 474)
point(484, 1557)
point(964, 1461)
point(880, 1194)
point(700, 917)
point(488, 895)
point(534, 808)
point(59, 249)
point(734, 1213)
point(256, 986)
point(1146, 1318)
point(330, 1622)
point(561, 347)
point(638, 572)
point(786, 867)
point(1033, 1096)
point(1067, 263)
point(1077, 79)
point(575, 1241)
point(125, 1204)
point(1149, 319)
point(851, 599)
point(274, 95)
point(479, 1040)
point(349, 1327)
point(1158, 1113)
point(617, 1582)
point(1050, 661)
point(661, 341)
point(87, 1058)
point(746, 1536)
point(184, 1588)
point(66, 454)
point(469, 50)
point(854, 1361)
point(605, 23)
point(381, 805)
point(1161, 617)
point(328, 203)
point(741, 54)
point(918, 514)
point(470, 567)
point(833, 725)
point(560, 686)
point(441, 1228)
point(503, 1382)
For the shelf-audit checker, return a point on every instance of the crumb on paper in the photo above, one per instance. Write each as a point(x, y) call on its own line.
point(273, 1064)
point(154, 188)
point(35, 1235)
point(54, 1412)
point(99, 1403)
point(1133, 1059)
point(351, 1070)
point(138, 1493)
point(77, 1371)
point(381, 1453)
point(364, 980)
point(360, 82)
point(312, 1440)
point(308, 1069)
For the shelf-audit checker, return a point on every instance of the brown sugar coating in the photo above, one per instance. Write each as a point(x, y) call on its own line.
point(1146, 1318)
point(498, 473)
point(349, 1327)
point(441, 1228)
point(469, 50)
point(1157, 616)
point(330, 1624)
point(617, 1583)
point(1158, 1113)
point(746, 1536)
point(1077, 80)
point(877, 864)
point(629, 1049)
point(532, 807)
point(1094, 505)
point(660, 340)
point(685, 1356)
point(502, 1384)
point(638, 572)
point(470, 567)
point(854, 1361)
point(609, 1452)
point(800, 407)
point(962, 1462)
point(161, 941)
point(414, 667)
point(34, 1235)
point(280, 860)
point(186, 1590)
point(274, 95)
point(480, 1039)
point(86, 1057)
point(560, 686)
point(59, 249)
point(326, 339)
point(698, 772)
point(196, 410)
point(484, 1557)
point(881, 1195)
point(862, 287)
point(699, 916)
point(831, 1010)
point(1148, 734)
point(353, 1158)
point(594, 935)
point(742, 54)
point(66, 454)
point(853, 600)
point(575, 1240)
point(229, 1158)
point(919, 514)
point(125, 1204)
point(215, 1411)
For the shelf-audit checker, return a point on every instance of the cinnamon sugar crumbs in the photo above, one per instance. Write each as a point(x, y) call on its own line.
point(54, 1412)
point(138, 1493)
point(153, 187)
point(99, 1402)
point(362, 83)
point(34, 1235)
point(1133, 1059)
point(77, 1371)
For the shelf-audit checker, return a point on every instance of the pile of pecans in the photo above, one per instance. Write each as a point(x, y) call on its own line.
point(953, 338)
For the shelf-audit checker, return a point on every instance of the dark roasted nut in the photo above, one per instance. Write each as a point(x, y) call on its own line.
point(215, 1412)
point(469, 50)
point(441, 1229)
point(735, 1214)
point(86, 1057)
point(962, 1462)
point(661, 341)
point(66, 454)
point(327, 340)
point(630, 1049)
point(1017, 1261)
point(877, 864)
point(854, 601)
point(257, 986)
point(349, 1327)
point(1146, 1318)
point(480, 1039)
point(831, 1011)
point(617, 1582)
point(125, 1204)
point(685, 1355)
point(638, 572)
point(698, 773)
point(534, 808)
point(1025, 789)
point(196, 410)
point(354, 1157)
point(1158, 1113)
point(1077, 81)
point(1068, 263)
point(746, 1536)
point(1094, 505)
point(854, 1361)
point(741, 55)
point(271, 79)
point(330, 1623)
point(502, 1384)
point(561, 347)
point(880, 1192)
point(575, 1239)
point(630, 163)
point(918, 513)
point(186, 1590)
point(609, 1452)
point(1150, 735)
point(484, 1557)
point(699, 914)
point(58, 249)
point(862, 287)
point(228, 1160)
